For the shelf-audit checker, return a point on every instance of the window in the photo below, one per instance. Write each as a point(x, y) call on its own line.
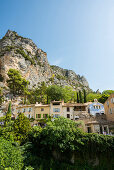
point(68, 109)
point(24, 110)
point(45, 115)
point(56, 103)
point(56, 109)
point(68, 115)
point(38, 115)
point(29, 109)
point(42, 109)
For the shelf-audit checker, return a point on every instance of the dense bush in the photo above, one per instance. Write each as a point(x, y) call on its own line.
point(54, 146)
point(64, 135)
point(10, 155)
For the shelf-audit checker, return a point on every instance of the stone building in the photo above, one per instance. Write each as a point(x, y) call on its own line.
point(109, 111)
point(96, 108)
point(92, 123)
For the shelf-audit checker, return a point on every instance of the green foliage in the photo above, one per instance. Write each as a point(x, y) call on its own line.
point(62, 137)
point(21, 127)
point(27, 57)
point(55, 92)
point(92, 96)
point(7, 132)
point(108, 92)
point(60, 77)
point(9, 48)
point(80, 97)
point(77, 98)
point(60, 134)
point(103, 98)
point(10, 156)
point(16, 83)
point(100, 97)
point(68, 94)
point(85, 100)
point(38, 94)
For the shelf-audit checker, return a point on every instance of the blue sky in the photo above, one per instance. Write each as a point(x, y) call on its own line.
point(76, 34)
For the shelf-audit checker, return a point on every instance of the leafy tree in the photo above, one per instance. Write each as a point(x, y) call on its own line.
point(16, 83)
point(92, 96)
point(10, 155)
point(61, 134)
point(38, 94)
point(42, 92)
point(108, 92)
point(80, 96)
point(103, 98)
point(85, 100)
point(68, 94)
point(77, 98)
point(55, 92)
point(21, 127)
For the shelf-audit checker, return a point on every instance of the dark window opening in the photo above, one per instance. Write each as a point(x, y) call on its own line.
point(68, 115)
point(68, 109)
point(56, 103)
point(42, 109)
point(89, 129)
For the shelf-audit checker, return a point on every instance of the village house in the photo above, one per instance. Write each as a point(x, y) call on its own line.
point(56, 109)
point(41, 111)
point(109, 111)
point(92, 115)
point(28, 110)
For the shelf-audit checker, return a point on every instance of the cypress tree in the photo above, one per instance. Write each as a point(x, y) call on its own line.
point(85, 100)
point(77, 98)
point(80, 96)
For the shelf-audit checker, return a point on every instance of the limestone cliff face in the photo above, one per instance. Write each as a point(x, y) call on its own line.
point(22, 54)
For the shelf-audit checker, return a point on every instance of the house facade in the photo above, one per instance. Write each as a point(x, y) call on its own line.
point(56, 109)
point(109, 111)
point(96, 108)
point(41, 111)
point(28, 110)
point(109, 108)
point(92, 115)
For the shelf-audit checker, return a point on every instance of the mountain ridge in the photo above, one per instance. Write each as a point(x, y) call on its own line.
point(22, 54)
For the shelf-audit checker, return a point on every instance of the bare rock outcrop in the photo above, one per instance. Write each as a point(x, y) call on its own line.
point(22, 54)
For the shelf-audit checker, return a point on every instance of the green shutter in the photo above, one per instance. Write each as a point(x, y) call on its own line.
point(40, 115)
point(36, 115)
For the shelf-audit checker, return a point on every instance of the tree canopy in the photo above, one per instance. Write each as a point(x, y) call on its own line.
point(21, 127)
point(16, 83)
point(10, 155)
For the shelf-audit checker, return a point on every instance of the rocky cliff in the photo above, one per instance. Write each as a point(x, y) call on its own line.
point(22, 54)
